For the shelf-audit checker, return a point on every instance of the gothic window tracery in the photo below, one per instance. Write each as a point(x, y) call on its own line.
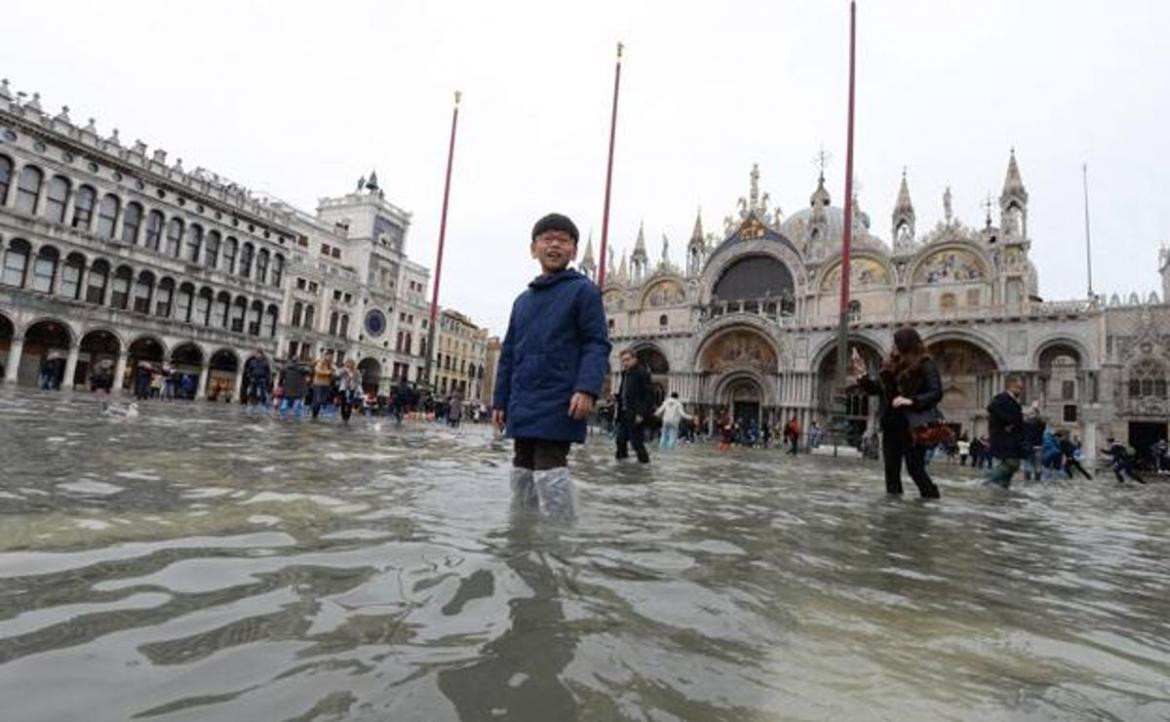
point(1147, 379)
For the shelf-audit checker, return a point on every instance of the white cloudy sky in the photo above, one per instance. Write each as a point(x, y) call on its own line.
point(299, 98)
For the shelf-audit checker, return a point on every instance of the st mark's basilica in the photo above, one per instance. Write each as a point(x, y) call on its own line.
point(750, 324)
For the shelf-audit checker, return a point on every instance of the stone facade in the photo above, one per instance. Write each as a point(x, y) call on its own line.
point(461, 356)
point(111, 251)
point(750, 323)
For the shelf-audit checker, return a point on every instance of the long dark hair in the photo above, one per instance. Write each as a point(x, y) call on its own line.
point(909, 351)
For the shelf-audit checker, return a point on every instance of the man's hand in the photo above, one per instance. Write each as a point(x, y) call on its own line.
point(900, 401)
point(580, 405)
point(498, 418)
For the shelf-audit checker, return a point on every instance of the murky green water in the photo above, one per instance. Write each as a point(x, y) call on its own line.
point(200, 564)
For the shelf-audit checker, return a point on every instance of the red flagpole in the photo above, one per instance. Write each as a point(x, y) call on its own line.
point(847, 239)
point(442, 237)
point(617, 80)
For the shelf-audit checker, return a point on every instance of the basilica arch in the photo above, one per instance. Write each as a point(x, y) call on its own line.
point(970, 377)
point(740, 364)
point(860, 412)
point(652, 358)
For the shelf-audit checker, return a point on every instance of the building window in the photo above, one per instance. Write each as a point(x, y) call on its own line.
point(1070, 413)
point(56, 198)
point(142, 293)
point(44, 269)
point(239, 308)
point(5, 176)
point(270, 321)
point(337, 295)
point(201, 314)
point(108, 215)
point(83, 206)
point(154, 228)
point(310, 312)
point(277, 270)
point(219, 311)
point(262, 266)
point(245, 270)
point(296, 314)
point(610, 324)
point(1147, 378)
point(300, 284)
point(15, 263)
point(194, 242)
point(120, 293)
point(229, 254)
point(131, 220)
point(174, 237)
point(344, 324)
point(211, 252)
point(71, 277)
point(99, 276)
point(28, 189)
point(255, 315)
point(162, 304)
point(333, 324)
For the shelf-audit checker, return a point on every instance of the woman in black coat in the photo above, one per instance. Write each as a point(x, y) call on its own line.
point(909, 387)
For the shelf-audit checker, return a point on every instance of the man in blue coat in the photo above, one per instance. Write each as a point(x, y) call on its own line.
point(552, 362)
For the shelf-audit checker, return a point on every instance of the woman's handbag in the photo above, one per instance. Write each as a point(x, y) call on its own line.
point(929, 428)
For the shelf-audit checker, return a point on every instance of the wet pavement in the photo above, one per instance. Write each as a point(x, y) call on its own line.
point(199, 563)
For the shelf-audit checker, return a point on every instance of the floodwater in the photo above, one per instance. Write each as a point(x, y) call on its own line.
point(197, 563)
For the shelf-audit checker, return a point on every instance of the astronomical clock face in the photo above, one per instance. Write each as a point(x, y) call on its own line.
point(375, 323)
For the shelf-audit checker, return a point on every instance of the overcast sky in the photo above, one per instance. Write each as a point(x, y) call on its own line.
point(298, 99)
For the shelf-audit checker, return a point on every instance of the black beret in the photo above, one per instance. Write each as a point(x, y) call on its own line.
point(555, 222)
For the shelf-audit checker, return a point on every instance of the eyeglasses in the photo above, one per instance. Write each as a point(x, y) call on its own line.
point(549, 239)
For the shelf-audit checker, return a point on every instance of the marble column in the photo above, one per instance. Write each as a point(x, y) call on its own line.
point(13, 365)
point(239, 390)
point(119, 372)
point(201, 390)
point(71, 366)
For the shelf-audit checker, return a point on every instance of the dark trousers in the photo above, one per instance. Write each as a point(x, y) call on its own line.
point(631, 433)
point(347, 399)
point(540, 454)
point(322, 395)
point(896, 447)
point(1071, 464)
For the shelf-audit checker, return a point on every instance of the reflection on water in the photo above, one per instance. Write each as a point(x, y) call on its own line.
point(199, 563)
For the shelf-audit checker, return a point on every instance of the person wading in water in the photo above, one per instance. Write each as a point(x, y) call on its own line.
point(909, 387)
point(552, 362)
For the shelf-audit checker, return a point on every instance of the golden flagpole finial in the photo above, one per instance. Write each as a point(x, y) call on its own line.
point(621, 46)
point(458, 96)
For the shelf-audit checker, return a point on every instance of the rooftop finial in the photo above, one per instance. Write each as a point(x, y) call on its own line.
point(91, 126)
point(5, 92)
point(114, 137)
point(35, 103)
point(948, 211)
point(372, 183)
point(64, 114)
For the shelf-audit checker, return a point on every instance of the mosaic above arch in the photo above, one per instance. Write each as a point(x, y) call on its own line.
point(740, 348)
point(950, 266)
point(664, 293)
point(863, 272)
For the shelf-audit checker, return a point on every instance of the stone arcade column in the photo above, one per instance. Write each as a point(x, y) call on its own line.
point(201, 390)
point(12, 368)
point(119, 372)
point(239, 391)
point(71, 365)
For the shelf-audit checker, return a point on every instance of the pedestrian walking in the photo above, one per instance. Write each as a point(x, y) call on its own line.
point(1122, 463)
point(909, 388)
point(672, 414)
point(964, 447)
point(792, 435)
point(551, 365)
point(257, 379)
point(295, 385)
point(1034, 430)
point(635, 402)
point(349, 388)
point(322, 383)
point(1009, 440)
point(1069, 451)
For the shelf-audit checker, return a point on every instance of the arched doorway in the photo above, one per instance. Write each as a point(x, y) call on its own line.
point(97, 347)
point(46, 350)
point(143, 357)
point(187, 360)
point(734, 357)
point(7, 332)
point(371, 374)
point(968, 372)
point(1062, 384)
point(859, 411)
point(655, 362)
point(221, 377)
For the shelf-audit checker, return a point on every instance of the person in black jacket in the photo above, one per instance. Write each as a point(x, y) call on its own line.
point(635, 404)
point(1008, 441)
point(909, 388)
point(1122, 463)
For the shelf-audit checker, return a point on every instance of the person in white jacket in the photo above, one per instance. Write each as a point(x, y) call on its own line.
point(671, 412)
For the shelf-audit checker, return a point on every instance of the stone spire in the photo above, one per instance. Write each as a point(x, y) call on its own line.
point(5, 92)
point(902, 219)
point(1013, 202)
point(820, 197)
point(624, 269)
point(587, 265)
point(948, 208)
point(696, 247)
point(665, 262)
point(372, 182)
point(639, 259)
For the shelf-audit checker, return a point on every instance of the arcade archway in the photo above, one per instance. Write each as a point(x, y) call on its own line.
point(7, 332)
point(221, 376)
point(187, 360)
point(97, 347)
point(371, 374)
point(968, 375)
point(46, 349)
point(145, 352)
point(859, 412)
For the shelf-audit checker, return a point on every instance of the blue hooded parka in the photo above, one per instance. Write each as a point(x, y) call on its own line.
point(557, 344)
